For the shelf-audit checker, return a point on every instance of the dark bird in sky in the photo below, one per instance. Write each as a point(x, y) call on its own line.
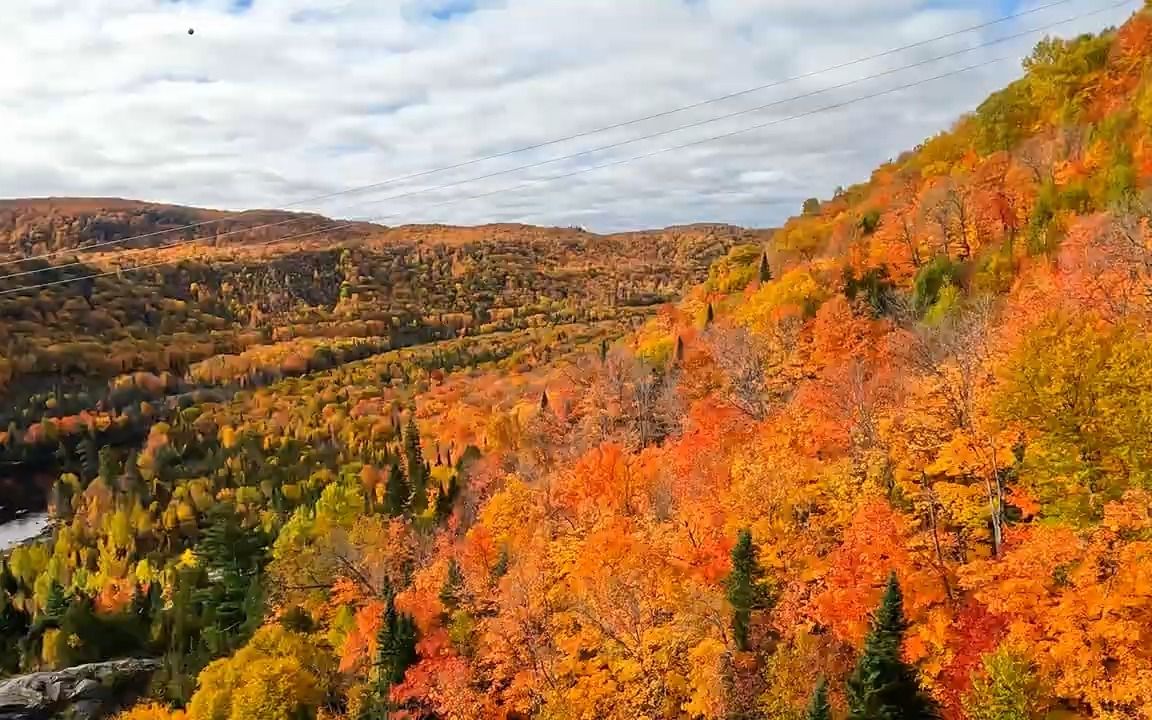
point(191, 31)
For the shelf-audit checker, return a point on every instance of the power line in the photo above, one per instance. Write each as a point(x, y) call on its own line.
point(536, 146)
point(540, 181)
point(623, 143)
point(738, 113)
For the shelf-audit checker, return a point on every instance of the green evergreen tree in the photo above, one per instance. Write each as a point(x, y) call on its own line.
point(765, 270)
point(709, 316)
point(818, 707)
point(108, 468)
point(883, 686)
point(56, 604)
point(745, 587)
point(232, 557)
point(397, 491)
point(89, 457)
point(446, 498)
point(417, 469)
point(453, 589)
point(395, 653)
point(500, 569)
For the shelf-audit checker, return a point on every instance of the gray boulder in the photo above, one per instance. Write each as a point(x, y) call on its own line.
point(84, 692)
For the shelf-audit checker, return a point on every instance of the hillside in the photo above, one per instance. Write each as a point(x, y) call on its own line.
point(38, 226)
point(896, 467)
point(218, 317)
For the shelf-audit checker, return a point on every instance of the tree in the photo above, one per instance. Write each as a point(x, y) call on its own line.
point(745, 587)
point(765, 270)
point(453, 586)
point(883, 686)
point(417, 470)
point(395, 653)
point(398, 491)
point(818, 708)
point(395, 645)
point(56, 605)
point(1006, 689)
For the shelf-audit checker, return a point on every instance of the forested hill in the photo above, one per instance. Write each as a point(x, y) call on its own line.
point(96, 344)
point(37, 226)
point(896, 467)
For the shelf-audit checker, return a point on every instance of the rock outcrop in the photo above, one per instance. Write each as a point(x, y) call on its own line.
point(84, 692)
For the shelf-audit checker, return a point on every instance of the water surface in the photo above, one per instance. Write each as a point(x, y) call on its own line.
point(22, 529)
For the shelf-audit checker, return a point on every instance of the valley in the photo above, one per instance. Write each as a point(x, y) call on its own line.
point(889, 461)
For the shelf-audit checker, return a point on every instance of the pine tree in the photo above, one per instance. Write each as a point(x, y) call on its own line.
point(745, 587)
point(108, 468)
point(232, 557)
point(397, 491)
point(450, 594)
point(709, 316)
point(56, 604)
point(500, 569)
point(446, 498)
point(417, 469)
point(395, 646)
point(89, 457)
point(818, 707)
point(765, 271)
point(883, 686)
point(678, 355)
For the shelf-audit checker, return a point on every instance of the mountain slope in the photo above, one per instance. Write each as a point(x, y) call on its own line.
point(934, 390)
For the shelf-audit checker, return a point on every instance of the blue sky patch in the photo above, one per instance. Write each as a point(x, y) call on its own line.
point(440, 10)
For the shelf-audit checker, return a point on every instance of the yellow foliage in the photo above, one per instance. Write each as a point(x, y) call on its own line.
point(151, 711)
point(796, 291)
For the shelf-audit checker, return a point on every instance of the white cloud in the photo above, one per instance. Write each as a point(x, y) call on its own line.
point(286, 99)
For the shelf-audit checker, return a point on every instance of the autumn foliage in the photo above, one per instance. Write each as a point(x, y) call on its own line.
point(904, 446)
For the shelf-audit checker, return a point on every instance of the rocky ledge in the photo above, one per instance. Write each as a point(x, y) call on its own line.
point(84, 692)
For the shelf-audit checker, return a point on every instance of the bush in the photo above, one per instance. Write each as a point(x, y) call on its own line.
point(931, 279)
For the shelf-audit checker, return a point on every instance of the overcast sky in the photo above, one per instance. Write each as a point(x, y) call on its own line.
point(272, 102)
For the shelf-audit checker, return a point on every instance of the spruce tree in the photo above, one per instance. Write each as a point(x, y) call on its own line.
point(417, 470)
point(397, 491)
point(765, 271)
point(450, 594)
point(500, 569)
point(395, 647)
point(446, 498)
point(818, 707)
point(883, 686)
point(709, 316)
point(89, 457)
point(108, 468)
point(56, 604)
point(745, 587)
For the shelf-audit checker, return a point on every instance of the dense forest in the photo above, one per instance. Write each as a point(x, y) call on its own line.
point(890, 461)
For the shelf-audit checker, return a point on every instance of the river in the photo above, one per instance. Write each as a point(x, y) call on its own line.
point(22, 529)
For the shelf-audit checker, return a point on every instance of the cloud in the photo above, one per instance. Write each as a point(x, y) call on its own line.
point(274, 101)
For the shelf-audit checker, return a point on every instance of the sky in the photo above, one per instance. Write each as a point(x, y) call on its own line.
point(274, 103)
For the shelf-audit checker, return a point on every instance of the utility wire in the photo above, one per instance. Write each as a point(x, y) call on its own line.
point(536, 146)
point(540, 181)
point(623, 143)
